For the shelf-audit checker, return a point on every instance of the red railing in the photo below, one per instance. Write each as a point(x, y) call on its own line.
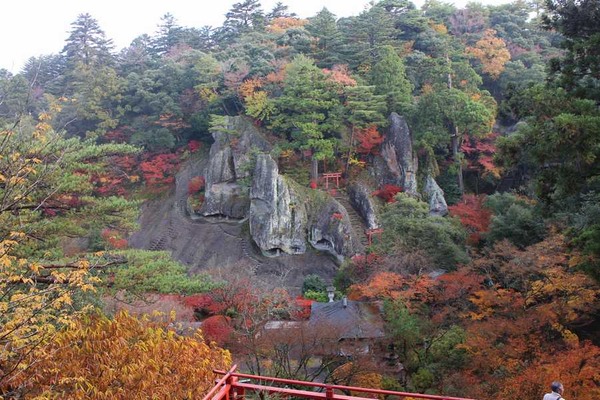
point(229, 387)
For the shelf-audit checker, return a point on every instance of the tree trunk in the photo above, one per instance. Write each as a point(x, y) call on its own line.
point(315, 169)
point(350, 150)
point(457, 160)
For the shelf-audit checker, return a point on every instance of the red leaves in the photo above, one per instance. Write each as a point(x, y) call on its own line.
point(302, 308)
point(480, 153)
point(369, 140)
point(196, 184)
point(160, 169)
point(114, 238)
point(217, 329)
point(194, 146)
point(387, 193)
point(473, 216)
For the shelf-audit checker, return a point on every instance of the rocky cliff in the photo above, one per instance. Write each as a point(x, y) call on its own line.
point(398, 165)
point(397, 151)
point(229, 165)
point(242, 180)
point(278, 219)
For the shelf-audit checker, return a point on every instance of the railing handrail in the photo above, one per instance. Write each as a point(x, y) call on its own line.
point(327, 387)
point(221, 382)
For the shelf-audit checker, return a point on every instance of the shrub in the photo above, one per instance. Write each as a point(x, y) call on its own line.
point(388, 192)
point(408, 225)
point(515, 219)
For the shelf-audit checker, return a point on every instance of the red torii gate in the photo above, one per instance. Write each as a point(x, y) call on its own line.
point(371, 232)
point(332, 175)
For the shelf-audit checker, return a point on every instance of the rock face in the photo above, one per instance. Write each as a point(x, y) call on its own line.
point(362, 202)
point(332, 232)
point(278, 212)
point(397, 151)
point(435, 197)
point(231, 160)
point(278, 217)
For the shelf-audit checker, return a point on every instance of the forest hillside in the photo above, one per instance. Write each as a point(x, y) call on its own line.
point(435, 170)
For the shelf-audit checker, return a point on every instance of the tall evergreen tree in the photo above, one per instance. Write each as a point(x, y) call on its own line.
point(309, 110)
point(372, 29)
point(329, 41)
point(579, 21)
point(279, 11)
point(87, 43)
point(169, 34)
point(388, 75)
point(241, 19)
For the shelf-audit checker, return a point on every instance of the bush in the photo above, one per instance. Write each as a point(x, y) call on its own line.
point(407, 224)
point(156, 272)
point(515, 219)
point(313, 283)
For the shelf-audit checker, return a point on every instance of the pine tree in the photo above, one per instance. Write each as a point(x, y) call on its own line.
point(329, 42)
point(389, 78)
point(168, 35)
point(241, 19)
point(87, 43)
point(369, 31)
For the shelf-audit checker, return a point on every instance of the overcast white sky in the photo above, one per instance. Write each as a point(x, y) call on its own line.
point(32, 28)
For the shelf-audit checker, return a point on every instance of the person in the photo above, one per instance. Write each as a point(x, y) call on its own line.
point(557, 391)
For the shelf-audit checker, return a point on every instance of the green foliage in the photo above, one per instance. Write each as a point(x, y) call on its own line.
point(316, 296)
point(364, 107)
point(329, 40)
point(407, 225)
point(309, 110)
point(558, 143)
point(388, 75)
point(423, 379)
point(313, 283)
point(577, 71)
point(514, 219)
point(586, 233)
point(157, 272)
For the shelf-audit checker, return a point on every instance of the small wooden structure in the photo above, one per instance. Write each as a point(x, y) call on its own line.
point(332, 175)
point(371, 232)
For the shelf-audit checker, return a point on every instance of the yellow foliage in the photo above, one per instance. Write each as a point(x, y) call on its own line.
point(491, 51)
point(124, 358)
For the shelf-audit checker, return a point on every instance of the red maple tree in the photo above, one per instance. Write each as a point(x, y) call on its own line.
point(473, 215)
point(369, 139)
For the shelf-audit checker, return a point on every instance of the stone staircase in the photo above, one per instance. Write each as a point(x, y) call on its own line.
point(357, 223)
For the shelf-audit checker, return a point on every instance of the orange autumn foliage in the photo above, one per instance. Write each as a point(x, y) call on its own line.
point(124, 358)
point(492, 52)
point(390, 285)
point(525, 321)
point(369, 140)
point(282, 24)
point(339, 74)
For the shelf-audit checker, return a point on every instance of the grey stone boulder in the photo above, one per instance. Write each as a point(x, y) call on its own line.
point(397, 152)
point(331, 231)
point(435, 197)
point(230, 159)
point(278, 215)
point(226, 199)
point(248, 142)
point(362, 201)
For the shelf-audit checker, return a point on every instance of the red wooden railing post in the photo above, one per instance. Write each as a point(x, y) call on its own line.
point(328, 392)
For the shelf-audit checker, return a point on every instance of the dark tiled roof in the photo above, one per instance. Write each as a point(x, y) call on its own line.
point(358, 320)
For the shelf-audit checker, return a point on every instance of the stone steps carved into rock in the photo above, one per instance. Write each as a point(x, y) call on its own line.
point(357, 223)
